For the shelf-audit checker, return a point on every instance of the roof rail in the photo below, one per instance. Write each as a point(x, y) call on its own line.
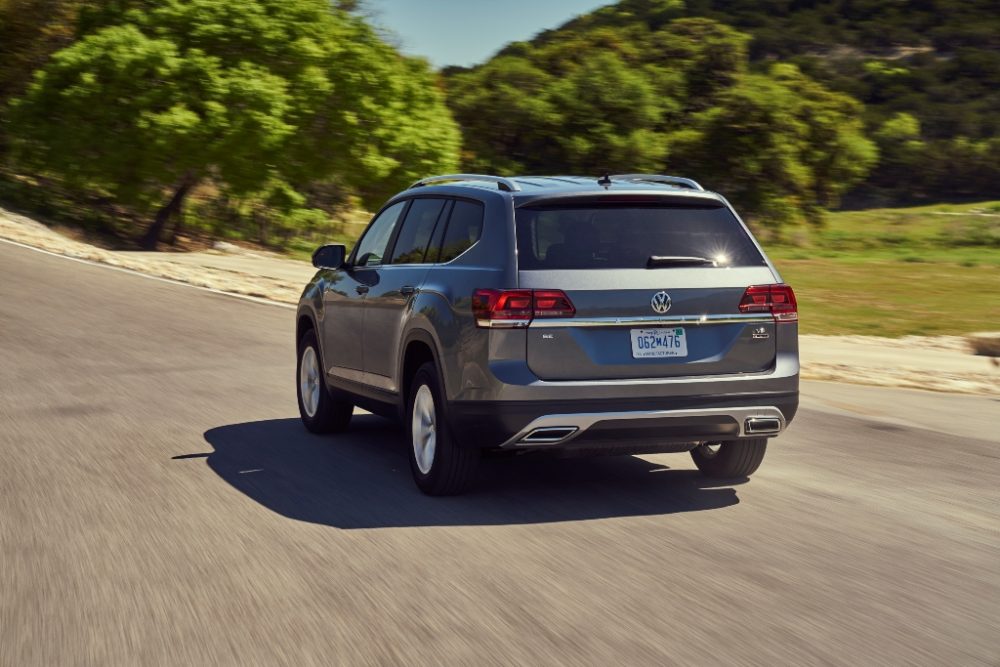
point(658, 178)
point(505, 184)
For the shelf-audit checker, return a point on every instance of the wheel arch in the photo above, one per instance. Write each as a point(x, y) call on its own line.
point(303, 322)
point(419, 348)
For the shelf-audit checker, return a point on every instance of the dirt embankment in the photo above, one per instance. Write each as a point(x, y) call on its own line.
point(262, 275)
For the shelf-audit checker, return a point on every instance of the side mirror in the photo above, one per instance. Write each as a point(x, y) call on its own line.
point(329, 256)
point(369, 260)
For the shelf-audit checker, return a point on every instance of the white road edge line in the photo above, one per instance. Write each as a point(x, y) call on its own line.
point(171, 281)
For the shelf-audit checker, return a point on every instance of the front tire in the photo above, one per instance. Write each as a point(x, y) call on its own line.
point(729, 460)
point(440, 466)
point(320, 411)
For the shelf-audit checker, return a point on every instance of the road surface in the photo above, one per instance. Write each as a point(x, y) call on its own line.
point(160, 504)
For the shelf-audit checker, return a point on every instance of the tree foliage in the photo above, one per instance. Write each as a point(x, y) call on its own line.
point(254, 96)
point(677, 97)
point(780, 144)
point(30, 31)
point(937, 61)
point(275, 112)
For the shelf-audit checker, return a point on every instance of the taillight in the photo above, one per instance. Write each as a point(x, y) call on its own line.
point(517, 307)
point(552, 303)
point(779, 300)
point(504, 307)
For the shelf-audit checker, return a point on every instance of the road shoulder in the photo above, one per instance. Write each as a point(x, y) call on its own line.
point(974, 417)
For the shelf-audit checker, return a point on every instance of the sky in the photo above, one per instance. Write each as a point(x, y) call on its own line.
point(466, 32)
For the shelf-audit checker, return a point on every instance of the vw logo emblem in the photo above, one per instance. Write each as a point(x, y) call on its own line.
point(661, 302)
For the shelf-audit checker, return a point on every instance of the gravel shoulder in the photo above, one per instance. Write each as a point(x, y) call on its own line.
point(939, 363)
point(261, 275)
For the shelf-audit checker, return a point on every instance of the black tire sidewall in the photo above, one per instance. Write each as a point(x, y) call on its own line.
point(734, 460)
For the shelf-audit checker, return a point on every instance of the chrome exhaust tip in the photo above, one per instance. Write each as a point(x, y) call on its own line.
point(549, 435)
point(758, 425)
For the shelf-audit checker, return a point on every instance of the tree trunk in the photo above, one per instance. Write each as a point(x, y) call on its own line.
point(171, 208)
point(178, 227)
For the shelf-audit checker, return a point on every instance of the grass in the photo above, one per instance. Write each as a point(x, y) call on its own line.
point(894, 272)
point(893, 299)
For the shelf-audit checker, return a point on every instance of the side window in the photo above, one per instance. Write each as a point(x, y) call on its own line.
point(434, 248)
point(464, 229)
point(371, 247)
point(411, 244)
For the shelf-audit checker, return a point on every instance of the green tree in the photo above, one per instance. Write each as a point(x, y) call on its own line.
point(780, 145)
point(610, 117)
point(677, 97)
point(937, 61)
point(710, 55)
point(506, 114)
point(902, 151)
point(160, 97)
point(30, 32)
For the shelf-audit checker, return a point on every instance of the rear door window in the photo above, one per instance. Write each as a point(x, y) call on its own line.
point(465, 227)
point(626, 236)
point(416, 232)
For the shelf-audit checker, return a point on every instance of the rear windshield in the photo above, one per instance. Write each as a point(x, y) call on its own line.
point(625, 237)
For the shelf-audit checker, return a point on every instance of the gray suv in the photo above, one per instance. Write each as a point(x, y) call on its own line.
point(622, 315)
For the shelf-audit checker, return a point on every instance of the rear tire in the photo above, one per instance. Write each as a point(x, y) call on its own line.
point(440, 465)
point(739, 458)
point(321, 412)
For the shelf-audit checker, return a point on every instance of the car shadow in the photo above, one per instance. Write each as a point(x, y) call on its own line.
point(361, 479)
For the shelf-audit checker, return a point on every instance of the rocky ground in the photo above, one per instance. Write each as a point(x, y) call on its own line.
point(940, 363)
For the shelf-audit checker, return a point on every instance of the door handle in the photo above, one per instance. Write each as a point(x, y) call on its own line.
point(361, 289)
point(407, 290)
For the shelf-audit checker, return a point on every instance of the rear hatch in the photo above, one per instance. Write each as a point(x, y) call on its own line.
point(657, 288)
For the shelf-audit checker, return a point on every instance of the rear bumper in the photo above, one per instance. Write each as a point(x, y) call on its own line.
point(648, 424)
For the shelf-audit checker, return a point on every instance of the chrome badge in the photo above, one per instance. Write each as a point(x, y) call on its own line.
point(661, 302)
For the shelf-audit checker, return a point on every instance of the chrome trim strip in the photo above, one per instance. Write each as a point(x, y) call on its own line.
point(585, 420)
point(690, 320)
point(351, 374)
point(380, 381)
point(362, 377)
point(503, 324)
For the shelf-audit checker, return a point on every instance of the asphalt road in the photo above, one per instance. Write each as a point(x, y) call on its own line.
point(160, 504)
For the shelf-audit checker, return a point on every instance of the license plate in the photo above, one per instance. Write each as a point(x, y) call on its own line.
point(656, 343)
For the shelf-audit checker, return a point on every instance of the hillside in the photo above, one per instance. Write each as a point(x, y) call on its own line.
point(926, 71)
point(936, 59)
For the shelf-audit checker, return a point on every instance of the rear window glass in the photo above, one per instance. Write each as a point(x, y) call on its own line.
point(625, 237)
point(464, 228)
